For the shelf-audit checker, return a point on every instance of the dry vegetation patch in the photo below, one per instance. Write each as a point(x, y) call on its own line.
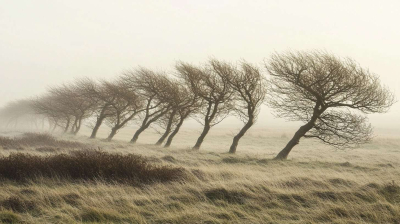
point(87, 165)
point(43, 142)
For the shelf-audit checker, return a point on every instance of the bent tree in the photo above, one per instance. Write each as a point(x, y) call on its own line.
point(211, 85)
point(150, 86)
point(331, 95)
point(186, 103)
point(125, 106)
point(250, 88)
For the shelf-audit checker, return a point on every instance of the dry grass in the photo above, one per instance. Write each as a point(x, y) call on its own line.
point(357, 186)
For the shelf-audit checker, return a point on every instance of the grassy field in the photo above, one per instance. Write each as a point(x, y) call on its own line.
point(317, 184)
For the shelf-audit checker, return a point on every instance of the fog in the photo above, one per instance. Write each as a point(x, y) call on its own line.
point(45, 43)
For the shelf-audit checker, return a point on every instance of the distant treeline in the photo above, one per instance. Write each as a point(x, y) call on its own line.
point(315, 87)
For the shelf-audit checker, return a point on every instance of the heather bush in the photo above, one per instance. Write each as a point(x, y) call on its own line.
point(86, 165)
point(37, 140)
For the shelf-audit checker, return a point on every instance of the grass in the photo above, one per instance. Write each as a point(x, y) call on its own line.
point(339, 187)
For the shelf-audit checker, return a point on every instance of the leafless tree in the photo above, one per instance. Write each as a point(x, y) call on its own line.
point(103, 95)
point(250, 88)
point(188, 104)
point(57, 114)
point(20, 112)
point(209, 83)
point(125, 105)
point(74, 101)
point(150, 86)
point(329, 94)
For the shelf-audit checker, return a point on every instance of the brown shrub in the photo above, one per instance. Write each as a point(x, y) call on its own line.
point(37, 140)
point(86, 165)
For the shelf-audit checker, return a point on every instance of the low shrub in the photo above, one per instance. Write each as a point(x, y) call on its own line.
point(37, 140)
point(86, 165)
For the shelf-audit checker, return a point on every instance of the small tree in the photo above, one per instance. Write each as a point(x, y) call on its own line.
point(20, 112)
point(325, 92)
point(58, 114)
point(250, 88)
point(186, 104)
point(211, 85)
point(103, 95)
point(125, 105)
point(151, 87)
point(73, 100)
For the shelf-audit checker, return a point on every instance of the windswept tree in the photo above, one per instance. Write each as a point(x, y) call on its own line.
point(169, 94)
point(249, 88)
point(56, 112)
point(73, 101)
point(331, 95)
point(211, 85)
point(125, 105)
point(151, 87)
point(187, 104)
point(103, 95)
point(20, 113)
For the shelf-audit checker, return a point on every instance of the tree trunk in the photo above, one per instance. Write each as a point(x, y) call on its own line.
point(112, 134)
point(145, 124)
point(67, 126)
point(168, 129)
point(137, 133)
point(169, 140)
point(97, 126)
point(202, 136)
point(282, 155)
point(78, 126)
point(164, 136)
point(73, 126)
point(236, 139)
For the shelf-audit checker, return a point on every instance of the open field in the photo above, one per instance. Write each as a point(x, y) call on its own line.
point(316, 185)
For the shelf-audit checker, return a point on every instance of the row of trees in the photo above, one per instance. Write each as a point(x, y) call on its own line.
point(329, 94)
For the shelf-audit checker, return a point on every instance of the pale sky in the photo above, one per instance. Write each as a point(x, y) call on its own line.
point(47, 42)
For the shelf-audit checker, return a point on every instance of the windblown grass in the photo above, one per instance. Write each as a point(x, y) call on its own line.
point(358, 186)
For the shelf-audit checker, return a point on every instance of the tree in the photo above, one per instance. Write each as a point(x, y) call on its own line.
point(56, 112)
point(211, 85)
point(125, 105)
point(329, 94)
point(72, 99)
point(20, 112)
point(250, 88)
point(151, 87)
point(185, 104)
point(103, 95)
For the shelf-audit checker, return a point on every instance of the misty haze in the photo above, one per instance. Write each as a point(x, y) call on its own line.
point(199, 112)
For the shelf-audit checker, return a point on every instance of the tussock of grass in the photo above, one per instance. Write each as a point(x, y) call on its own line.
point(18, 205)
point(87, 165)
point(43, 142)
point(229, 196)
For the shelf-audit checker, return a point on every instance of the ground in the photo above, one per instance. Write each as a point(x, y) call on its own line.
point(318, 184)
